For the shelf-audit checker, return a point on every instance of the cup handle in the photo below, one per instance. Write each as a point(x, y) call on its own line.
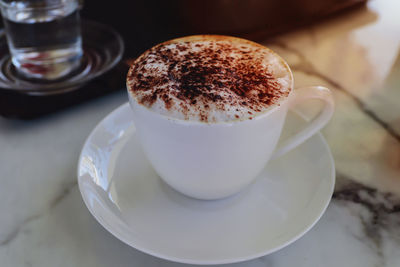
point(300, 95)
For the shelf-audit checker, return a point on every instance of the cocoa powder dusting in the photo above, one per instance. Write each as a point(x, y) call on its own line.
point(201, 76)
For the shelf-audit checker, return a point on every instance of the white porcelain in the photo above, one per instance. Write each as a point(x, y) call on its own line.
point(216, 160)
point(124, 193)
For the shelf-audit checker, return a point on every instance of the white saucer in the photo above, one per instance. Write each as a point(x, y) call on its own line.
point(126, 196)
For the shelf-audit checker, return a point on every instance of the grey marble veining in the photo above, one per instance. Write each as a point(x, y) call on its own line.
point(44, 221)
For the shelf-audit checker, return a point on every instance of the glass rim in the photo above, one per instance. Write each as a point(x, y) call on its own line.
point(51, 6)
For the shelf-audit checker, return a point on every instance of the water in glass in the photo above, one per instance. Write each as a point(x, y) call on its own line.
point(43, 36)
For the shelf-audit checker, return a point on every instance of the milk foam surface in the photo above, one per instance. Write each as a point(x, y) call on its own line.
point(209, 78)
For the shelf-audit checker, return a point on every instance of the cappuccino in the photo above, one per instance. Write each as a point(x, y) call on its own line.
point(209, 110)
point(209, 78)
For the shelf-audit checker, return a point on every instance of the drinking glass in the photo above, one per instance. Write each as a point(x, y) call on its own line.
point(43, 36)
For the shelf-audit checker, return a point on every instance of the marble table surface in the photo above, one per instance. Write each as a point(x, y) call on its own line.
point(44, 221)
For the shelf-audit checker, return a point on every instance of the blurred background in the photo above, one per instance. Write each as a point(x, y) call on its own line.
point(143, 24)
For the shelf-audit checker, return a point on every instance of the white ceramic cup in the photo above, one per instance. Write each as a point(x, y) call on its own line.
point(215, 160)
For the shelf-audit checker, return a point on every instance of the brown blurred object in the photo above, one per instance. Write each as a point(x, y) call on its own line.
point(248, 16)
point(145, 23)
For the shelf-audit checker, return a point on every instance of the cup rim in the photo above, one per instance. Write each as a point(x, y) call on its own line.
point(257, 116)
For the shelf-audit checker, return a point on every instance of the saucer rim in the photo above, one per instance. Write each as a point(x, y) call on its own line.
point(154, 253)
